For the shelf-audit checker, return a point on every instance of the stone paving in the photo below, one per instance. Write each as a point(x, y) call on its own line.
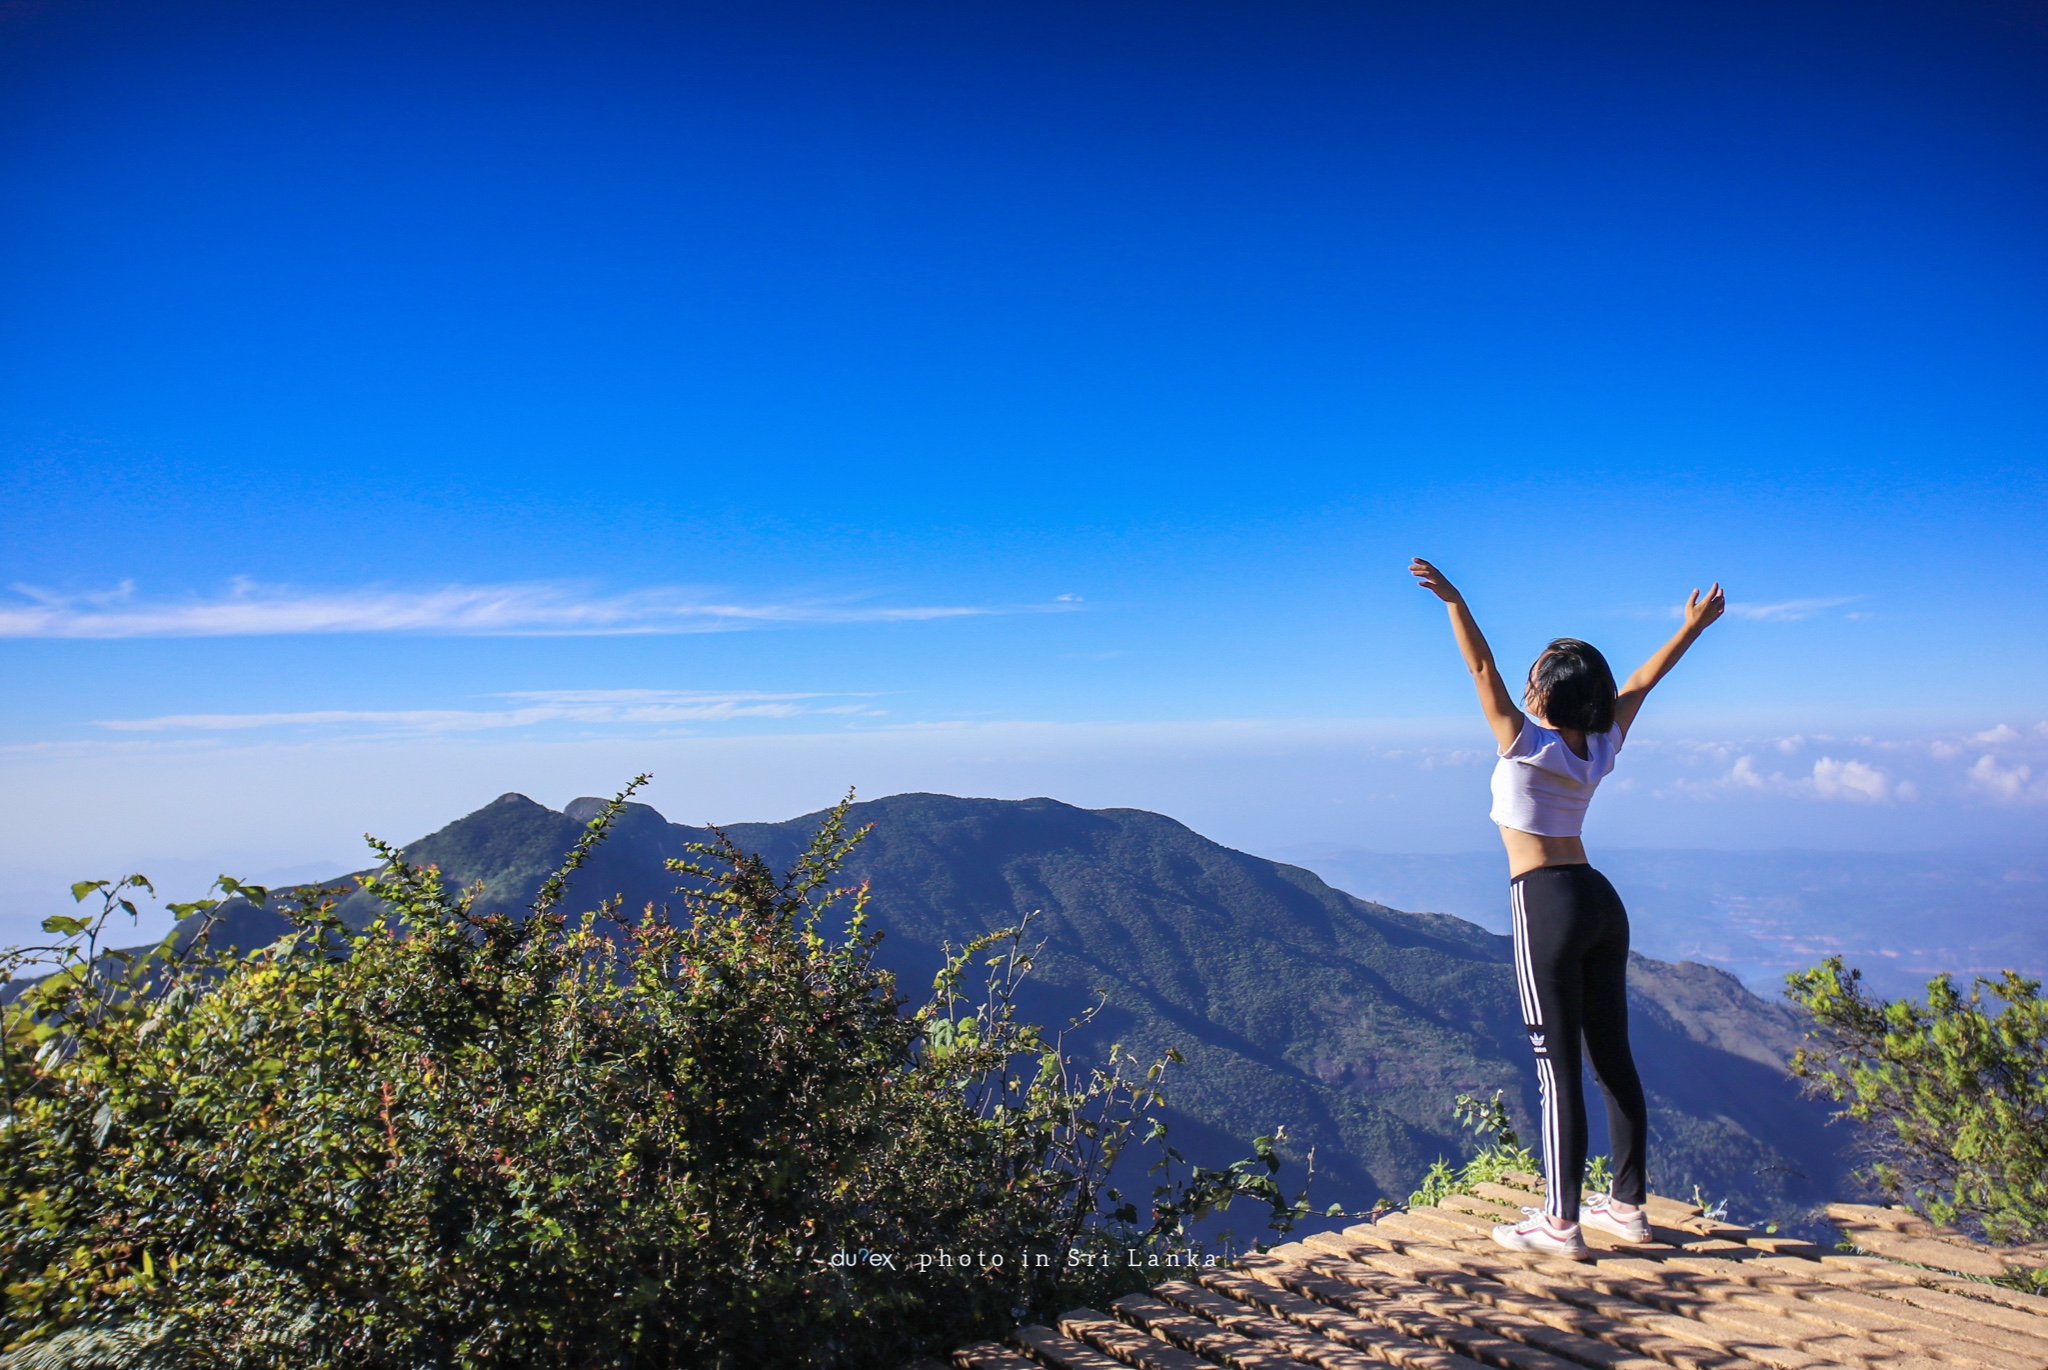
point(1427, 1289)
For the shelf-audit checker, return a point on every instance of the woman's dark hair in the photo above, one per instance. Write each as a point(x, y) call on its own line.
point(1571, 686)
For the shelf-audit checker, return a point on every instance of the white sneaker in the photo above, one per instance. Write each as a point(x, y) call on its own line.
point(1536, 1236)
point(1598, 1212)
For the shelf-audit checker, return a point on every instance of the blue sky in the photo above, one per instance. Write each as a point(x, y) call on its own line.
point(400, 404)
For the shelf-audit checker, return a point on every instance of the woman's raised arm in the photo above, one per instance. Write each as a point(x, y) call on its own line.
point(1698, 613)
point(1494, 700)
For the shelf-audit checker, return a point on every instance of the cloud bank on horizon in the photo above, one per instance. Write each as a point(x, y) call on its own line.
point(2000, 765)
point(287, 798)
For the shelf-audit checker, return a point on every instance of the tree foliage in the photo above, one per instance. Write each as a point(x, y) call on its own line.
point(1501, 1152)
point(708, 1137)
point(1953, 1093)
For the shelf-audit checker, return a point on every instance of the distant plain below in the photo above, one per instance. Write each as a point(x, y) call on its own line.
point(1900, 917)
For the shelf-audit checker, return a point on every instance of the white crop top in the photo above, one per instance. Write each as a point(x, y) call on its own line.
point(1539, 786)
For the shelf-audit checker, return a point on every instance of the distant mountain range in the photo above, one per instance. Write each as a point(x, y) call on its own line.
point(1901, 917)
point(1352, 1023)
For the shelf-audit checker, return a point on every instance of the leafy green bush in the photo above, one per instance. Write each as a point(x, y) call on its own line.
point(1954, 1094)
point(471, 1138)
point(1502, 1152)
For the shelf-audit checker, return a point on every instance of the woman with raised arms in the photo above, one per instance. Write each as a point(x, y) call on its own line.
point(1570, 930)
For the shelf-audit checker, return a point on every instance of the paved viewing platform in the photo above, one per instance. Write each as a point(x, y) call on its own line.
point(1427, 1289)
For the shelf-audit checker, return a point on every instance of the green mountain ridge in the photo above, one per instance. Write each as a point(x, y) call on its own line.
point(1351, 1023)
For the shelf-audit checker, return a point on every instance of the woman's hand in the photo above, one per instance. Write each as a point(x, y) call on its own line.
point(1700, 612)
point(1438, 584)
point(1494, 700)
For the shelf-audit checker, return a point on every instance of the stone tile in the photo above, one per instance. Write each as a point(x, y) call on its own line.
point(1127, 1344)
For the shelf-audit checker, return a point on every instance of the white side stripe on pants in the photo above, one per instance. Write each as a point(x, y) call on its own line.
point(1546, 1073)
point(1553, 1138)
point(1525, 968)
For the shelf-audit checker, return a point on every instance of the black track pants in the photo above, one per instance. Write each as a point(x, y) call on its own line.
point(1571, 965)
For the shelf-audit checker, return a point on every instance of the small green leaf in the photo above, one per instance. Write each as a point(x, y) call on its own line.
point(84, 887)
point(63, 924)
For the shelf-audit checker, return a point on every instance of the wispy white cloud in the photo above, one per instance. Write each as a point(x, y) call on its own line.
point(538, 608)
point(1788, 610)
point(528, 709)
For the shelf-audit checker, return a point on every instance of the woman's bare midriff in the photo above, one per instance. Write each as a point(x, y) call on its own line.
point(1528, 851)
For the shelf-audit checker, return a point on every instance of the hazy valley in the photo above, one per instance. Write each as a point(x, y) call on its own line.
point(1902, 917)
